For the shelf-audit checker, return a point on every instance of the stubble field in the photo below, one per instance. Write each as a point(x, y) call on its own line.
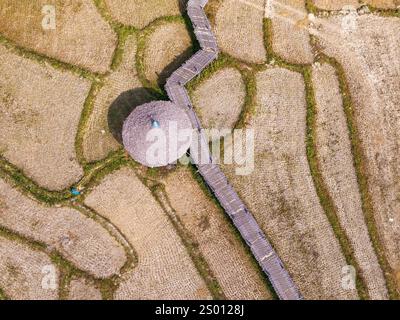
point(326, 181)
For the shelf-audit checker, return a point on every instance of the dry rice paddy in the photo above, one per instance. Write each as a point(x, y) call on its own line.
point(219, 99)
point(165, 270)
point(239, 29)
point(121, 91)
point(280, 191)
point(369, 55)
point(343, 4)
point(336, 165)
point(81, 37)
point(78, 238)
point(233, 268)
point(40, 109)
point(290, 38)
point(167, 47)
point(23, 271)
point(335, 5)
point(385, 4)
point(80, 289)
point(140, 13)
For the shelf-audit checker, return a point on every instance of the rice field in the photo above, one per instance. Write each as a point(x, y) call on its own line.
point(75, 236)
point(219, 99)
point(239, 29)
point(40, 108)
point(119, 94)
point(23, 271)
point(80, 289)
point(157, 234)
point(336, 165)
point(234, 268)
point(165, 270)
point(145, 11)
point(280, 191)
point(290, 38)
point(368, 55)
point(71, 31)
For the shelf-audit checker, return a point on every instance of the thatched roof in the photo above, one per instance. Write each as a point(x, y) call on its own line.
point(146, 127)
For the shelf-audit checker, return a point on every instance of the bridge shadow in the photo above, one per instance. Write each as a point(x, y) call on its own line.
point(173, 65)
point(181, 58)
point(124, 104)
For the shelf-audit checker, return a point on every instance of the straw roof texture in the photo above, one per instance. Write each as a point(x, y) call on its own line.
point(157, 133)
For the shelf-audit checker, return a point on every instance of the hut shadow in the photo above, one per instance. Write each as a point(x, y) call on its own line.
point(123, 105)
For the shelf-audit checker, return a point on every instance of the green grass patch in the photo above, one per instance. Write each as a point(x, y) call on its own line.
point(123, 34)
point(83, 121)
point(94, 172)
point(247, 72)
point(25, 184)
point(3, 295)
point(312, 8)
point(211, 10)
point(249, 106)
point(385, 12)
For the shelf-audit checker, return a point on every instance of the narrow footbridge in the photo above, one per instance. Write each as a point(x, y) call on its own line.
point(210, 171)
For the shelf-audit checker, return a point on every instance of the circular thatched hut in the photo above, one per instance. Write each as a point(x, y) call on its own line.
point(157, 133)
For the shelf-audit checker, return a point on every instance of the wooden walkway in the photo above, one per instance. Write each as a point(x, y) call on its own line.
point(211, 173)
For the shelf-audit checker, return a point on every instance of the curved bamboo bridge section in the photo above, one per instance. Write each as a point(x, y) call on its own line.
point(211, 173)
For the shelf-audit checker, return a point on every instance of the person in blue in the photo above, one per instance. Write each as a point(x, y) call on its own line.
point(154, 124)
point(75, 191)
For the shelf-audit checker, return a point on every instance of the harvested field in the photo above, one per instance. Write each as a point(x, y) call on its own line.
point(232, 266)
point(165, 270)
point(78, 238)
point(40, 109)
point(290, 38)
point(336, 5)
point(336, 164)
point(167, 47)
point(80, 289)
point(219, 99)
point(22, 271)
point(81, 37)
point(369, 56)
point(384, 4)
point(281, 194)
point(340, 4)
point(121, 92)
point(145, 11)
point(239, 29)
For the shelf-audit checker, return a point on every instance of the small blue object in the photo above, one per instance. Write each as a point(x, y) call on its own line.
point(75, 192)
point(155, 124)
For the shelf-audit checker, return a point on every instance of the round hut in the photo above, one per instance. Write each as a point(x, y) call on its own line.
point(157, 133)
